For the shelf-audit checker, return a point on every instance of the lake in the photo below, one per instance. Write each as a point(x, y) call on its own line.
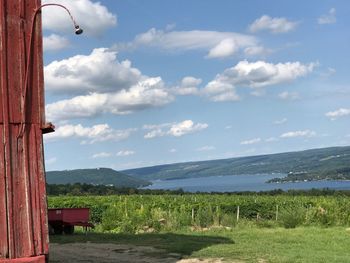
point(239, 183)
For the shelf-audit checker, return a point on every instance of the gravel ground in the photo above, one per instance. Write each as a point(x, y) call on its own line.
point(108, 253)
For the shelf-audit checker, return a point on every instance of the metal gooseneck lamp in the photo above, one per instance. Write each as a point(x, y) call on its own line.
point(78, 31)
point(23, 203)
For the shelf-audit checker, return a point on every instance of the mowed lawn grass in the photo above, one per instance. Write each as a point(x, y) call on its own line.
point(304, 244)
point(240, 244)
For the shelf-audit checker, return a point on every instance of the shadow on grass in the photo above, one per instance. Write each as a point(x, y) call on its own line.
point(183, 244)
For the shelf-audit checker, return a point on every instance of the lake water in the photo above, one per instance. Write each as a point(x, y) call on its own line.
point(238, 183)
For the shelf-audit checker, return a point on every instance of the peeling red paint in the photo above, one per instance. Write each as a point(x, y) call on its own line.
point(23, 209)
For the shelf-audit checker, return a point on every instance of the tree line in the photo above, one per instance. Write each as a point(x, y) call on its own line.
point(79, 189)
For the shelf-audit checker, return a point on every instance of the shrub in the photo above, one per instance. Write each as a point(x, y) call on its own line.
point(229, 220)
point(292, 217)
point(204, 216)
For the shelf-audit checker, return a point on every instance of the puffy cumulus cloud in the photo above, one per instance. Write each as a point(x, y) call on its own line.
point(55, 42)
point(252, 141)
point(101, 155)
point(330, 18)
point(77, 107)
point(216, 44)
point(145, 94)
point(286, 95)
point(124, 153)
point(219, 90)
point(294, 134)
point(333, 115)
point(274, 25)
point(255, 75)
point(174, 129)
point(260, 73)
point(99, 71)
point(186, 127)
point(93, 17)
point(89, 135)
point(148, 93)
point(189, 86)
point(103, 85)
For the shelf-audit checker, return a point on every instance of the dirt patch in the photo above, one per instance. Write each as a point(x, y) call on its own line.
point(108, 253)
point(197, 260)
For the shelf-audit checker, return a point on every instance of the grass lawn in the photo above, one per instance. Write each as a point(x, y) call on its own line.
point(247, 244)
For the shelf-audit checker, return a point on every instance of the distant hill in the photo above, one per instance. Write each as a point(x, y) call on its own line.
point(98, 176)
point(315, 164)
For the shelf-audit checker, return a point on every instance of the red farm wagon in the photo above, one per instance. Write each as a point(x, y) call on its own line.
point(63, 220)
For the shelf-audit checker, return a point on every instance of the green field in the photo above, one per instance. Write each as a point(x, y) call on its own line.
point(268, 229)
point(241, 244)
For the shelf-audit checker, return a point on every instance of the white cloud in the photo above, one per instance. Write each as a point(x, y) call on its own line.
point(101, 155)
point(146, 94)
point(77, 107)
point(106, 85)
point(90, 135)
point(218, 90)
point(333, 115)
point(293, 134)
point(155, 133)
point(173, 150)
point(99, 71)
point(330, 18)
point(273, 25)
point(225, 48)
point(124, 153)
point(93, 17)
point(50, 161)
point(281, 121)
point(286, 95)
point(205, 148)
point(252, 141)
point(260, 74)
point(257, 51)
point(186, 127)
point(156, 126)
point(174, 129)
point(189, 86)
point(217, 44)
point(55, 42)
point(255, 75)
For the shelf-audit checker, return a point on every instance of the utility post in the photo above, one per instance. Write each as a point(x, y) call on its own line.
point(23, 208)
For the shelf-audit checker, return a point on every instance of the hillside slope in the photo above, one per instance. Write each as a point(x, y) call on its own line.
point(98, 176)
point(315, 164)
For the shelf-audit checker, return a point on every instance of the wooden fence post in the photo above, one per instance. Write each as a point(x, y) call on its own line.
point(237, 213)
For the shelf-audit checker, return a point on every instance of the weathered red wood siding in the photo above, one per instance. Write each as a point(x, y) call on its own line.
point(23, 209)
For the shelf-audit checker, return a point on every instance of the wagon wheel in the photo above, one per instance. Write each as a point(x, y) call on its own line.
point(58, 229)
point(51, 229)
point(68, 229)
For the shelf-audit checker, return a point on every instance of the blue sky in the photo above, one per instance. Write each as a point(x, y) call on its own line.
point(155, 82)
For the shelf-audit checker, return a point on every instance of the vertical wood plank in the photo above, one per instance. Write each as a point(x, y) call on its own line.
point(23, 208)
